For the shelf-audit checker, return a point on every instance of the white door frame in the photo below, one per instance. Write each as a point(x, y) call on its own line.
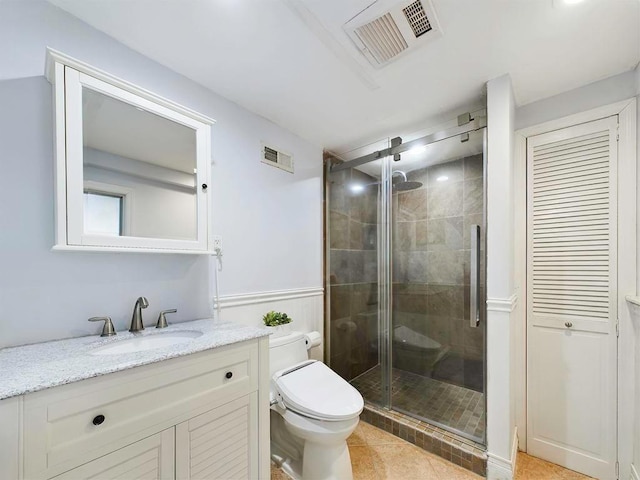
point(627, 264)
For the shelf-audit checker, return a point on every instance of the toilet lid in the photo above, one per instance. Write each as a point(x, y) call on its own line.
point(318, 392)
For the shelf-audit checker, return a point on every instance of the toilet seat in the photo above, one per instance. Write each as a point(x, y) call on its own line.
point(314, 390)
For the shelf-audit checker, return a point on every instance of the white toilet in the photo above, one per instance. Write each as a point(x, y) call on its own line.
point(313, 411)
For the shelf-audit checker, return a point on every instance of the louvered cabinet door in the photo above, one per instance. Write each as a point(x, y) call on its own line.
point(571, 297)
point(220, 444)
point(151, 458)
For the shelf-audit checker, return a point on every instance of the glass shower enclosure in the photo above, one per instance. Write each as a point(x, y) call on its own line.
point(405, 263)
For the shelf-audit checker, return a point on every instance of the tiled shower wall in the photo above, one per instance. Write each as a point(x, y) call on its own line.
point(352, 273)
point(431, 260)
point(432, 257)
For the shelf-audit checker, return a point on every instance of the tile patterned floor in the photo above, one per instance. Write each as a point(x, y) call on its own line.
point(456, 407)
point(378, 455)
point(532, 468)
point(451, 447)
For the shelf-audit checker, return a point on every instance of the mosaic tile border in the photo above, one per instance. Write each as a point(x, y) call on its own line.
point(460, 451)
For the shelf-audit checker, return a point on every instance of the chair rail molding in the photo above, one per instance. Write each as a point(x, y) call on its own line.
point(268, 296)
point(507, 305)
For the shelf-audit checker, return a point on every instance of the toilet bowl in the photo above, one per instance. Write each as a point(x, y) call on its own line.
point(416, 352)
point(313, 411)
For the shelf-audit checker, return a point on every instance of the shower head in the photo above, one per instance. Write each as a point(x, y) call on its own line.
point(400, 172)
point(404, 185)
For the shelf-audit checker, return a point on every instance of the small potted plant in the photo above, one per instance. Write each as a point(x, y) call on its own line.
point(278, 323)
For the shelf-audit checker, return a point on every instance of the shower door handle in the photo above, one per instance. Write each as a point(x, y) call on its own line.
point(474, 271)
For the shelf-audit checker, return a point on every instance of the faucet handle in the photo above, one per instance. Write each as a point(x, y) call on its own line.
point(107, 329)
point(162, 321)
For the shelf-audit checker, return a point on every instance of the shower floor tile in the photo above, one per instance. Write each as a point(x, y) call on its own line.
point(431, 400)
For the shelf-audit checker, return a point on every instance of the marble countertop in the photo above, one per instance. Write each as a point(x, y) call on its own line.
point(30, 368)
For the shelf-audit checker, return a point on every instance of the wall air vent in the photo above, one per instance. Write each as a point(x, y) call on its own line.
point(383, 34)
point(277, 158)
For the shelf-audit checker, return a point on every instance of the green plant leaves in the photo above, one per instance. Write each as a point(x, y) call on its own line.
point(273, 319)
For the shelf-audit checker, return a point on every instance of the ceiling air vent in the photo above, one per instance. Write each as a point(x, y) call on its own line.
point(277, 158)
point(417, 18)
point(382, 34)
point(382, 38)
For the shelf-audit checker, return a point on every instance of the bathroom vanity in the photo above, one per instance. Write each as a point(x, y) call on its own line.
point(132, 174)
point(74, 409)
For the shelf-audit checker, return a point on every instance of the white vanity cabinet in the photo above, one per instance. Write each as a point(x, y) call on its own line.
point(149, 458)
point(218, 444)
point(204, 415)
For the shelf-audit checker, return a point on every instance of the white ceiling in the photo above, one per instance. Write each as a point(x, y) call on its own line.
point(290, 61)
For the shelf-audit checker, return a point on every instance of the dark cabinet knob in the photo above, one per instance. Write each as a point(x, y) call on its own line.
point(205, 186)
point(98, 419)
point(229, 374)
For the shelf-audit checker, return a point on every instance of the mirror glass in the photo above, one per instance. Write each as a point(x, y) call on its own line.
point(139, 171)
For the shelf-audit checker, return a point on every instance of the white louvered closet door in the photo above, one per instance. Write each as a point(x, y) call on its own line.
point(571, 297)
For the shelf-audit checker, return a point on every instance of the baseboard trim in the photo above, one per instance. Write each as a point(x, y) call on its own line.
point(272, 296)
point(500, 468)
point(502, 304)
point(634, 473)
point(514, 452)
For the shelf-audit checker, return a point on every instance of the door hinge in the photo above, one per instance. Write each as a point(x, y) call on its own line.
point(617, 469)
point(617, 328)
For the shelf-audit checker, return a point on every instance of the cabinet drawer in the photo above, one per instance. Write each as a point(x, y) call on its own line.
point(70, 425)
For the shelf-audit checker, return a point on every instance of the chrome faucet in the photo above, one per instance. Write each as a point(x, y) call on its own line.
point(136, 319)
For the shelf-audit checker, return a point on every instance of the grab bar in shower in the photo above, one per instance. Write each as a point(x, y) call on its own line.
point(474, 294)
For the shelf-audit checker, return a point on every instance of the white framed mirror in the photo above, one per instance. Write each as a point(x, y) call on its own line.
point(133, 169)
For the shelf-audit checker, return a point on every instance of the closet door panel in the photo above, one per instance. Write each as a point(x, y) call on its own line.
point(569, 391)
point(571, 296)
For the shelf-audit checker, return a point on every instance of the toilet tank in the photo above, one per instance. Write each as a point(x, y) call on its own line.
point(286, 351)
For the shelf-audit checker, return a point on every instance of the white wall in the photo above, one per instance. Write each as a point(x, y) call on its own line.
point(270, 220)
point(610, 90)
point(501, 297)
point(635, 315)
point(636, 311)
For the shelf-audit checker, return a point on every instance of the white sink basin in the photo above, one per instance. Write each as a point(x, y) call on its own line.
point(149, 342)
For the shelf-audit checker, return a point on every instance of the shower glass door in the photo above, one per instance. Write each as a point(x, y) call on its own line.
point(354, 314)
point(405, 280)
point(437, 253)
